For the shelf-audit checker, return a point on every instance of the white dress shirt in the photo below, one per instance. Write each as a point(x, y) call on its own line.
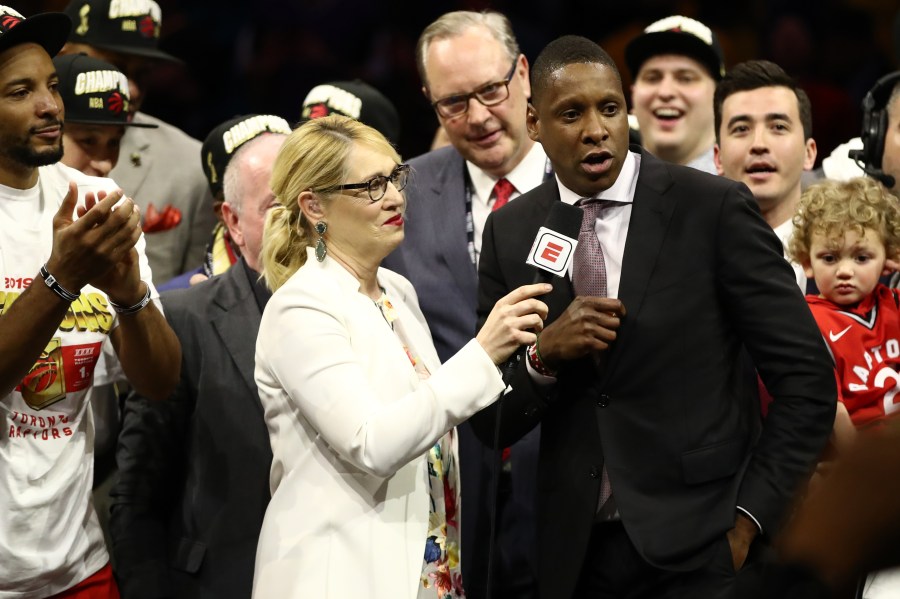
point(613, 218)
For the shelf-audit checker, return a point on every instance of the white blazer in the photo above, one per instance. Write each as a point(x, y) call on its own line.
point(350, 422)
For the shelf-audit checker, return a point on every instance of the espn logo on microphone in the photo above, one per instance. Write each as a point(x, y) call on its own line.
point(552, 251)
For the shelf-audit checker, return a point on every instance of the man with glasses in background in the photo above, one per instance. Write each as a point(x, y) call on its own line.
point(476, 79)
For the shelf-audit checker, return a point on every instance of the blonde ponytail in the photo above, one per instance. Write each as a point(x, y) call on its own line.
point(283, 248)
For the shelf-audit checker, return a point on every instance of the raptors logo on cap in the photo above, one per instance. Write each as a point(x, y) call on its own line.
point(116, 103)
point(9, 21)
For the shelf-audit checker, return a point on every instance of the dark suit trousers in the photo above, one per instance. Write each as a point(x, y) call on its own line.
point(613, 569)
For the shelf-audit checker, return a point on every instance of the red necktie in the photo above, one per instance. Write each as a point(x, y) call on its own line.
point(503, 189)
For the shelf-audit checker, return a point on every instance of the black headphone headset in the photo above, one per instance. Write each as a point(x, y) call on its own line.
point(874, 128)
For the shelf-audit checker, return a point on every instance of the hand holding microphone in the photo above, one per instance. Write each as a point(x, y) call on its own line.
point(517, 318)
point(514, 321)
point(588, 324)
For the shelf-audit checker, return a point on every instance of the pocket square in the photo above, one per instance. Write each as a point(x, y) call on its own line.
point(156, 221)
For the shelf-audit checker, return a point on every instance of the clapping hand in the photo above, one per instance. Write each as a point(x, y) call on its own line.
point(98, 246)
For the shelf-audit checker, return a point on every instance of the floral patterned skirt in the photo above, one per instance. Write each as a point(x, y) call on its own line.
point(441, 574)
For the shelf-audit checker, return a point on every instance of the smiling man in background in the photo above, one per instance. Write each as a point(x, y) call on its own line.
point(675, 64)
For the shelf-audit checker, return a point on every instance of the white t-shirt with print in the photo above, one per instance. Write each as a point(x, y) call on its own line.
point(50, 538)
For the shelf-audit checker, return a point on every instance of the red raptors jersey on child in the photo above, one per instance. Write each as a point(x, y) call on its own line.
point(865, 343)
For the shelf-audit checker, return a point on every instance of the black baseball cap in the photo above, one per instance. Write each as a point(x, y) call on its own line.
point(224, 140)
point(93, 91)
point(677, 35)
point(357, 100)
point(49, 29)
point(126, 27)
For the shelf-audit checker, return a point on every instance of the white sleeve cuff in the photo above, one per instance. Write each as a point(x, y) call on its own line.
point(540, 379)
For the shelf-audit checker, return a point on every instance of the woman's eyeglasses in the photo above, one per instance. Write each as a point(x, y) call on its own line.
point(377, 185)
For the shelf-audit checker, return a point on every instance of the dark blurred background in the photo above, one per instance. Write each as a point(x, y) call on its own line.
point(264, 56)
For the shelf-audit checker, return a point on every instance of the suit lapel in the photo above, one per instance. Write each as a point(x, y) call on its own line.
point(134, 162)
point(448, 188)
point(650, 217)
point(235, 317)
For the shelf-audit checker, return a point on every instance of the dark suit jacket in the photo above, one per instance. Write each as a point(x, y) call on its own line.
point(194, 469)
point(702, 275)
point(434, 256)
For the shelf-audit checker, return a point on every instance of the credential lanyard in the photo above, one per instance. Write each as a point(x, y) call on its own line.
point(470, 194)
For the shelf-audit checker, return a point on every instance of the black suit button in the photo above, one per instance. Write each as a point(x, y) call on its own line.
point(530, 412)
point(595, 473)
point(603, 401)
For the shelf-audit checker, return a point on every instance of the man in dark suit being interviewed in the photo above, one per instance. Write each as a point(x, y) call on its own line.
point(655, 473)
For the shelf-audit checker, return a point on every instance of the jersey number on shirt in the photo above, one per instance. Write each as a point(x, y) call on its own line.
point(890, 406)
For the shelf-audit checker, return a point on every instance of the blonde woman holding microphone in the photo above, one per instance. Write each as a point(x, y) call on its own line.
point(360, 412)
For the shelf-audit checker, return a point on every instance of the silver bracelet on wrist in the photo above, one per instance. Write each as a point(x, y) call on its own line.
point(55, 287)
point(132, 309)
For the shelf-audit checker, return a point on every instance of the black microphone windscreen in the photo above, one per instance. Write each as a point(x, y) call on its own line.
point(565, 219)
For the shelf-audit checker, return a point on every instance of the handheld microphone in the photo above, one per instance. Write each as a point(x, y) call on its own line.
point(553, 247)
point(551, 254)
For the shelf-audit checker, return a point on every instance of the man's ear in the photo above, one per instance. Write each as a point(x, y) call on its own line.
point(522, 69)
point(532, 124)
point(232, 221)
point(809, 159)
point(717, 160)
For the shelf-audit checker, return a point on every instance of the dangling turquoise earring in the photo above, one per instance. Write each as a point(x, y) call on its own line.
point(321, 250)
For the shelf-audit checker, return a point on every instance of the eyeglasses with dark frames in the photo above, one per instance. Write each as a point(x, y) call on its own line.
point(489, 94)
point(377, 185)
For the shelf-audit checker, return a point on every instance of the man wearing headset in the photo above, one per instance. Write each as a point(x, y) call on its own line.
point(890, 162)
point(880, 154)
point(877, 152)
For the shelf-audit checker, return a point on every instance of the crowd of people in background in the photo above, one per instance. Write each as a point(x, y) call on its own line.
point(288, 361)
